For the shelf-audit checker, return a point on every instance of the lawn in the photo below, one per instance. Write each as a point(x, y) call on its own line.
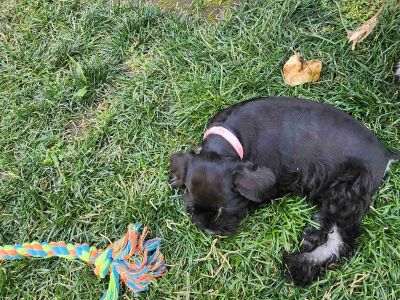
point(95, 96)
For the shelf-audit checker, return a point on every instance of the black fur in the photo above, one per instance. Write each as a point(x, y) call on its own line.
point(290, 146)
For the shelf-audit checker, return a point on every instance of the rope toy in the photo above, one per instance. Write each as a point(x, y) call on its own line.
point(131, 259)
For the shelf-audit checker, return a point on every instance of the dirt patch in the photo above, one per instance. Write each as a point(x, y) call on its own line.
point(75, 128)
point(78, 127)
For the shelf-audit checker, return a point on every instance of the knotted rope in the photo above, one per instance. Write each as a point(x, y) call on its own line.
point(131, 259)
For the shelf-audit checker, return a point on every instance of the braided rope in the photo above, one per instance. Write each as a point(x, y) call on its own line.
point(131, 259)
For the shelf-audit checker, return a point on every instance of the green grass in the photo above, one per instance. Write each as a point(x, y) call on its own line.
point(95, 95)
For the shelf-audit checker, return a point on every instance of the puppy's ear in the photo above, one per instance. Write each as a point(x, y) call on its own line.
point(253, 183)
point(178, 164)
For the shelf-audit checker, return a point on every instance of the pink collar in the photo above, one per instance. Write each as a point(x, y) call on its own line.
point(228, 136)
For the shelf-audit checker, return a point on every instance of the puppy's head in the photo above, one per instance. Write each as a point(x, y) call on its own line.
point(218, 191)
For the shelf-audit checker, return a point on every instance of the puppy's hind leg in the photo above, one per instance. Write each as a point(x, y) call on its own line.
point(345, 202)
point(313, 237)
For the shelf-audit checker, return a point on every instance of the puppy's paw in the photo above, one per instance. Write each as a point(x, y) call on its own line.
point(313, 238)
point(198, 150)
point(300, 270)
point(175, 182)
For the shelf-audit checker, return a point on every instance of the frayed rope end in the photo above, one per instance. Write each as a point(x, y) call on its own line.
point(131, 259)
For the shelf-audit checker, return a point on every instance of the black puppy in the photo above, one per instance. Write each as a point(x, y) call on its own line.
point(264, 148)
